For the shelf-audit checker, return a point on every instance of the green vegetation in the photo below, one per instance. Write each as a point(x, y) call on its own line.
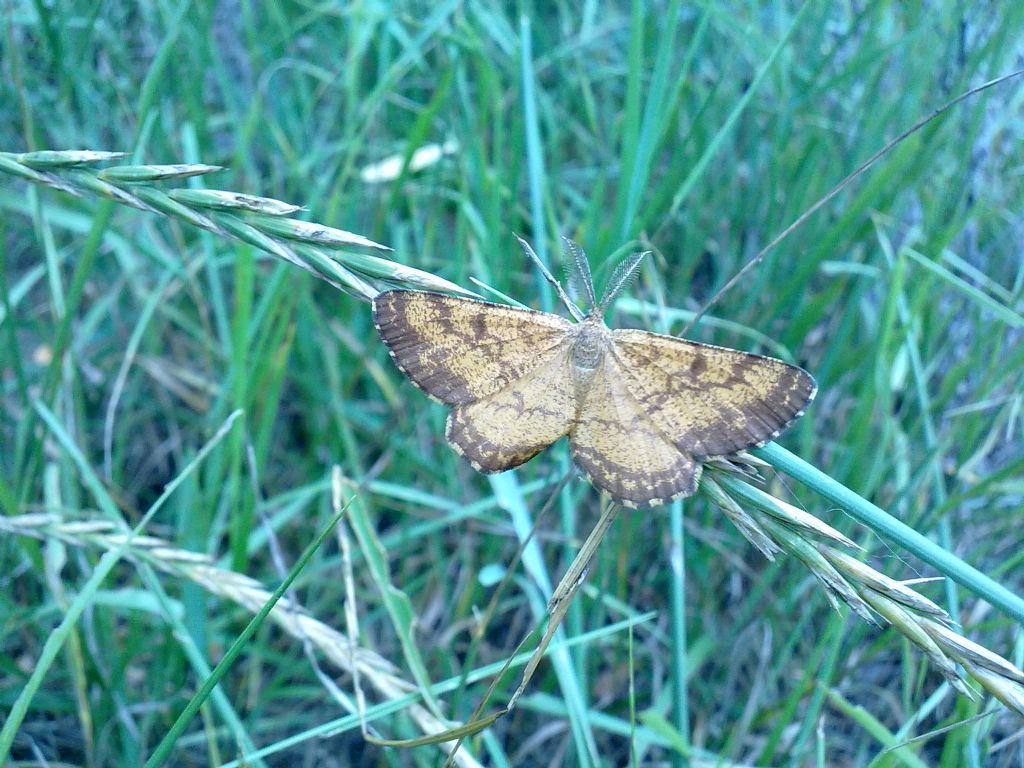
point(182, 382)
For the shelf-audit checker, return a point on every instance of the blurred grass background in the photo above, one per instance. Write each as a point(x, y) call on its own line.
point(699, 131)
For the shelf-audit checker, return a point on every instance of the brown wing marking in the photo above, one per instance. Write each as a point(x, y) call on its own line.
point(459, 350)
point(509, 427)
point(621, 450)
point(710, 401)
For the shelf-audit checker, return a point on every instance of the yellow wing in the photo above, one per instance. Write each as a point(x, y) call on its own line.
point(460, 350)
point(511, 426)
point(622, 449)
point(710, 401)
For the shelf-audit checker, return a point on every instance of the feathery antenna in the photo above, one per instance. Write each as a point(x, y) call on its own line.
point(580, 278)
point(623, 275)
point(569, 305)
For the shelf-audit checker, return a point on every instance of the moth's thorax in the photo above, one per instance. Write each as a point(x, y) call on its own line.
point(592, 337)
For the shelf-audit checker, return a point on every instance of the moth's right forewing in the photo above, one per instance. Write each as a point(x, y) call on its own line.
point(711, 401)
point(460, 350)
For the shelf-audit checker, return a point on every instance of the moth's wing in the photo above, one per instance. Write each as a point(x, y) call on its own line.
point(511, 426)
point(621, 448)
point(459, 350)
point(710, 401)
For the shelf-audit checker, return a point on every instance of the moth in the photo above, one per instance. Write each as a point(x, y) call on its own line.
point(643, 411)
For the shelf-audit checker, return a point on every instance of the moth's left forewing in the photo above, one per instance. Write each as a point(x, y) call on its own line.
point(711, 401)
point(460, 350)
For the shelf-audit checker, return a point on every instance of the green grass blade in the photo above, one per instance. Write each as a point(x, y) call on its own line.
point(1000, 310)
point(718, 141)
point(60, 635)
point(534, 156)
point(890, 528)
point(163, 750)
